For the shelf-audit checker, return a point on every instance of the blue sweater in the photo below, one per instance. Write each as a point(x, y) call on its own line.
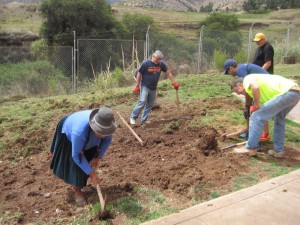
point(76, 128)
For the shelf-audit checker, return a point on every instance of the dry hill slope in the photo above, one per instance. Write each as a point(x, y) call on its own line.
point(185, 5)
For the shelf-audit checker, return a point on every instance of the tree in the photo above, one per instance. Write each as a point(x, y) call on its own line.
point(250, 5)
point(89, 18)
point(221, 21)
point(253, 5)
point(208, 8)
point(221, 33)
point(137, 24)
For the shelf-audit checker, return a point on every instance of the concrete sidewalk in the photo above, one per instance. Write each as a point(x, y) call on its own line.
point(273, 202)
point(294, 115)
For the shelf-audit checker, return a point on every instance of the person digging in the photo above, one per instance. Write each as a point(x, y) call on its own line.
point(273, 96)
point(81, 138)
point(242, 70)
point(146, 83)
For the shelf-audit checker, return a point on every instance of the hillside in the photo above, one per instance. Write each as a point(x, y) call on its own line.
point(177, 5)
point(186, 5)
point(17, 19)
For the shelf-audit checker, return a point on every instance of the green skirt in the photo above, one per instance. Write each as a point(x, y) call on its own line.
point(62, 163)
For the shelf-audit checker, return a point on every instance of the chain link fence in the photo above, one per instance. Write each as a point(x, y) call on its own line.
point(240, 45)
point(179, 54)
point(286, 43)
point(96, 57)
point(65, 70)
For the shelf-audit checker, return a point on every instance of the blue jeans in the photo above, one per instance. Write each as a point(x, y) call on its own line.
point(146, 101)
point(277, 107)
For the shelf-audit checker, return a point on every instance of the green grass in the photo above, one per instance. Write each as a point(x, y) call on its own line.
point(214, 194)
point(275, 169)
point(5, 217)
point(17, 18)
point(152, 206)
point(290, 71)
point(244, 181)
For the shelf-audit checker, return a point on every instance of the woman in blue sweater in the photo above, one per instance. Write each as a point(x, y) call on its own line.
point(81, 138)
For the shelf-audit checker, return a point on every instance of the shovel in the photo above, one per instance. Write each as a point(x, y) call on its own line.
point(230, 135)
point(104, 214)
point(177, 99)
point(234, 145)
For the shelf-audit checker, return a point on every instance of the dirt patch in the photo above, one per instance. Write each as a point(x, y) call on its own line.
point(178, 158)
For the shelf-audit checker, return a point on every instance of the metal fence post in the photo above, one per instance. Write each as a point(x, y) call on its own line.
point(286, 51)
point(147, 44)
point(249, 43)
point(74, 75)
point(200, 49)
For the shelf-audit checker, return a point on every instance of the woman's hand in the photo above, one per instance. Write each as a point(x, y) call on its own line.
point(95, 163)
point(94, 178)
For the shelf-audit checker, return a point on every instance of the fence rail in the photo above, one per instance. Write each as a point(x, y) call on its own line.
point(65, 70)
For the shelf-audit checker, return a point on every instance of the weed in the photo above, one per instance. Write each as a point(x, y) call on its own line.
point(171, 127)
point(214, 194)
point(6, 217)
point(219, 58)
point(199, 188)
point(3, 145)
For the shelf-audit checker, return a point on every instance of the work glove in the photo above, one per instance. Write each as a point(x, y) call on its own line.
point(265, 136)
point(253, 108)
point(136, 89)
point(247, 112)
point(176, 85)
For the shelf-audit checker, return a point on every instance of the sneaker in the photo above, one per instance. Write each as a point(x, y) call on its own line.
point(278, 155)
point(265, 136)
point(146, 122)
point(132, 121)
point(244, 150)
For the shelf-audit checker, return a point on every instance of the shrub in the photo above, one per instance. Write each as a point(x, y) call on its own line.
point(219, 58)
point(32, 78)
point(241, 56)
point(110, 79)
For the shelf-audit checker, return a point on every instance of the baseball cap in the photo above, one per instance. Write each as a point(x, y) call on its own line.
point(259, 36)
point(227, 64)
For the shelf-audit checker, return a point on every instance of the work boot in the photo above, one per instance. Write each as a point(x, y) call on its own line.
point(146, 122)
point(265, 136)
point(278, 155)
point(132, 121)
point(244, 150)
